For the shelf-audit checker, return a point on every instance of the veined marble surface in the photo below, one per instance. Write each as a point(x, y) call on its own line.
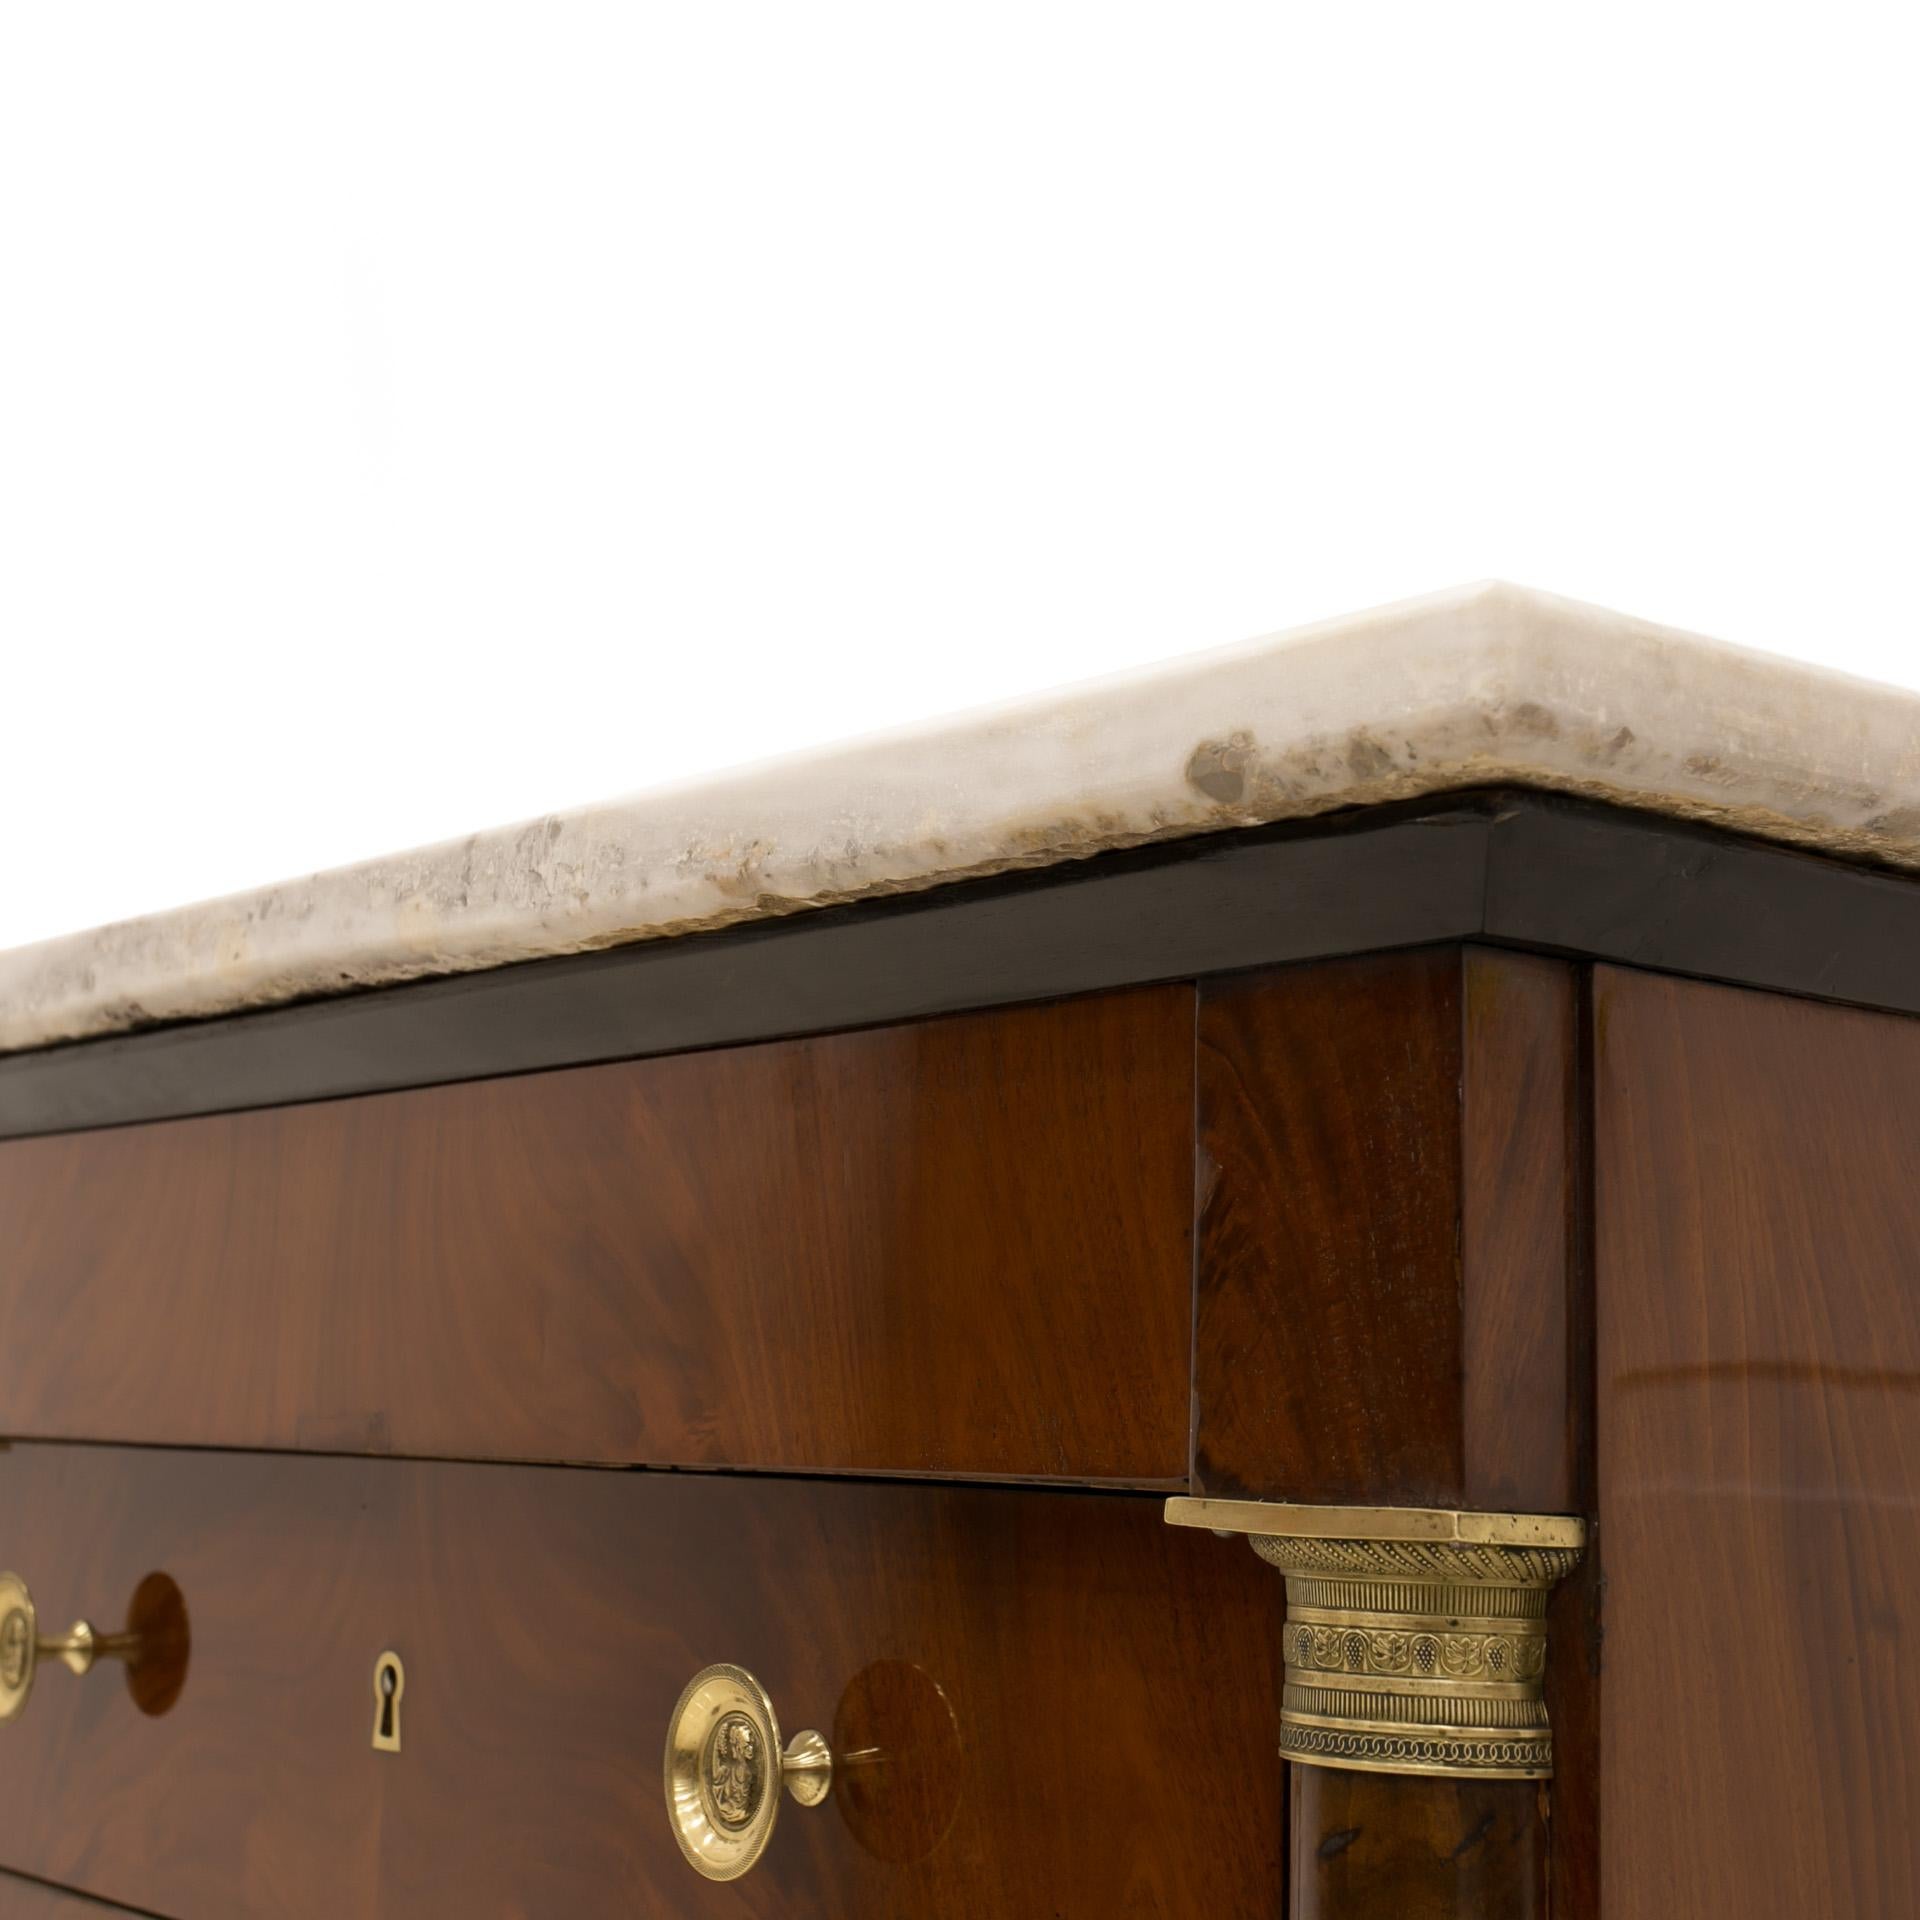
point(1486, 684)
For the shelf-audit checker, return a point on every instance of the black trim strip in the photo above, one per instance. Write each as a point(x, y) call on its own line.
point(1528, 870)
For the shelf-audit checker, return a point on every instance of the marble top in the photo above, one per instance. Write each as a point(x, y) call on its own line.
point(1489, 684)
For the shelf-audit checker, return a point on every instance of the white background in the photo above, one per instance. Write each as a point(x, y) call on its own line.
point(414, 417)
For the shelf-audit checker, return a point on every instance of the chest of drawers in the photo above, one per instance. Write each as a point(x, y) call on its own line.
point(1498, 1208)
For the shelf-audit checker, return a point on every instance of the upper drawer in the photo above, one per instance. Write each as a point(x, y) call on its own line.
point(956, 1247)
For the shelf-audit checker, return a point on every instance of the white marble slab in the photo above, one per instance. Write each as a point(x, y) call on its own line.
point(1485, 684)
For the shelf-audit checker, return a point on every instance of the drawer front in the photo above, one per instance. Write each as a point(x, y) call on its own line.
point(960, 1247)
point(34, 1900)
point(1072, 1703)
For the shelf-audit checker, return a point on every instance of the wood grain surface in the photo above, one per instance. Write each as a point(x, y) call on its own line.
point(1391, 1310)
point(1523, 1144)
point(1375, 1846)
point(1758, 1230)
point(1077, 1701)
point(1327, 1323)
point(960, 1248)
point(1387, 1232)
point(35, 1900)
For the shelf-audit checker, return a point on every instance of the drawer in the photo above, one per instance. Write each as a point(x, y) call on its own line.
point(960, 1247)
point(1023, 1668)
point(34, 1900)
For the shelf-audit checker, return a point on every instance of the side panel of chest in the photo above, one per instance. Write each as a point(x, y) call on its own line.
point(1758, 1235)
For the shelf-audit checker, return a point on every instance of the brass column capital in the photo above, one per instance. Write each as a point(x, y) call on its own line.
point(1415, 1637)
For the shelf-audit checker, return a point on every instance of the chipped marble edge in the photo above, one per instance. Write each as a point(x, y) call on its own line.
point(1487, 685)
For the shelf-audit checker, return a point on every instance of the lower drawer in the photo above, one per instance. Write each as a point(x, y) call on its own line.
point(1056, 1704)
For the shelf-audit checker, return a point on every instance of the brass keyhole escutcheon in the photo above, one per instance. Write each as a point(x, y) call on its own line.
point(725, 1771)
point(389, 1683)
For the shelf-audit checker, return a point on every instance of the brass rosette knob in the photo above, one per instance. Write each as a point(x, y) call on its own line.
point(23, 1646)
point(1415, 1637)
point(725, 1770)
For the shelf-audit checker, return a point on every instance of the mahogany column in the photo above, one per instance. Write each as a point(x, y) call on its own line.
point(1392, 1310)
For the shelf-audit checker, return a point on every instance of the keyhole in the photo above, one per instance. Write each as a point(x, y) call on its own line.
point(389, 1682)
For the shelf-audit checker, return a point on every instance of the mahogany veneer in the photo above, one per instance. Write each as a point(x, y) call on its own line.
point(961, 1247)
point(1446, 1226)
point(1758, 1195)
point(1411, 1849)
point(548, 1619)
point(1388, 1312)
point(34, 1900)
point(1387, 1231)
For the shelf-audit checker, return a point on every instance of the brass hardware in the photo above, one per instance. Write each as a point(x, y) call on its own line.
point(22, 1646)
point(1415, 1637)
point(721, 1747)
point(389, 1683)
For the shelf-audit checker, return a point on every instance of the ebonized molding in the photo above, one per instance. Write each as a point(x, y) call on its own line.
point(1507, 868)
